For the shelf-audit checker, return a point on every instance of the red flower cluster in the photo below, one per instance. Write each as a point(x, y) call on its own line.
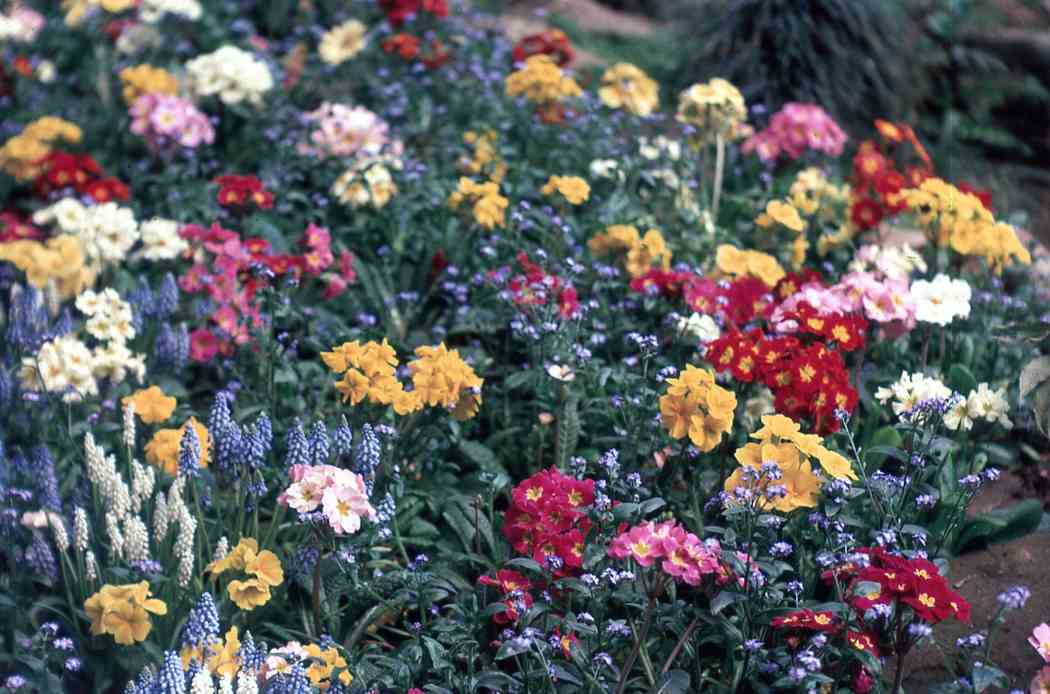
point(242, 192)
point(737, 302)
point(534, 287)
point(80, 172)
point(552, 42)
point(224, 272)
point(665, 282)
point(807, 380)
point(16, 227)
point(847, 331)
point(825, 621)
point(877, 181)
point(515, 591)
point(546, 520)
point(399, 11)
point(409, 47)
point(916, 583)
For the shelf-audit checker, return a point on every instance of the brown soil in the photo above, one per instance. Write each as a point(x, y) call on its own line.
point(980, 577)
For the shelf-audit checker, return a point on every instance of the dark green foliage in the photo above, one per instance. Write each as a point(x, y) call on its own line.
point(846, 55)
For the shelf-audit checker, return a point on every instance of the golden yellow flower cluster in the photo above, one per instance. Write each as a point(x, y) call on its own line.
point(783, 213)
point(541, 81)
point(714, 108)
point(151, 404)
point(961, 222)
point(439, 378)
point(626, 86)
point(59, 261)
point(573, 188)
point(146, 79)
point(221, 656)
point(487, 205)
point(697, 407)
point(486, 160)
point(163, 449)
point(323, 664)
point(369, 372)
point(21, 155)
point(780, 441)
point(642, 252)
point(780, 212)
point(811, 192)
point(123, 612)
point(813, 195)
point(264, 568)
point(737, 263)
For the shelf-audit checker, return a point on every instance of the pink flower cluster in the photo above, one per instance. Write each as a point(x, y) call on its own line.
point(685, 557)
point(338, 494)
point(794, 129)
point(223, 270)
point(346, 131)
point(166, 120)
point(881, 294)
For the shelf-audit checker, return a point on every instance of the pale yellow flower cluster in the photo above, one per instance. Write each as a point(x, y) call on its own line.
point(714, 108)
point(959, 221)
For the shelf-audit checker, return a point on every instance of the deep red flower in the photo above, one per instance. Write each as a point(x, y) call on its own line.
point(552, 42)
point(865, 213)
point(405, 45)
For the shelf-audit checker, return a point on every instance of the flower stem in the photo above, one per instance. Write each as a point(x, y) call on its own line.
point(640, 637)
point(317, 595)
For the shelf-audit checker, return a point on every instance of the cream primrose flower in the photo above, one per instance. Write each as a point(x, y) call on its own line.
point(231, 74)
point(161, 240)
point(941, 300)
point(699, 326)
point(910, 390)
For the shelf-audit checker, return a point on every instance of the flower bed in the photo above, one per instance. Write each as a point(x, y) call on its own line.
point(349, 348)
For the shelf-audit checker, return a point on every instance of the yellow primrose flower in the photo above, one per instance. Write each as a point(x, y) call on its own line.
point(247, 595)
point(541, 81)
point(163, 449)
point(573, 188)
point(783, 213)
point(151, 404)
point(740, 263)
point(123, 611)
point(488, 206)
point(146, 79)
point(236, 559)
point(697, 407)
point(626, 86)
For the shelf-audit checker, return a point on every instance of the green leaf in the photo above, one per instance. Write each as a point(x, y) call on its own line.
point(1000, 525)
point(725, 599)
point(673, 682)
point(886, 442)
point(481, 455)
point(985, 676)
point(961, 380)
point(568, 434)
